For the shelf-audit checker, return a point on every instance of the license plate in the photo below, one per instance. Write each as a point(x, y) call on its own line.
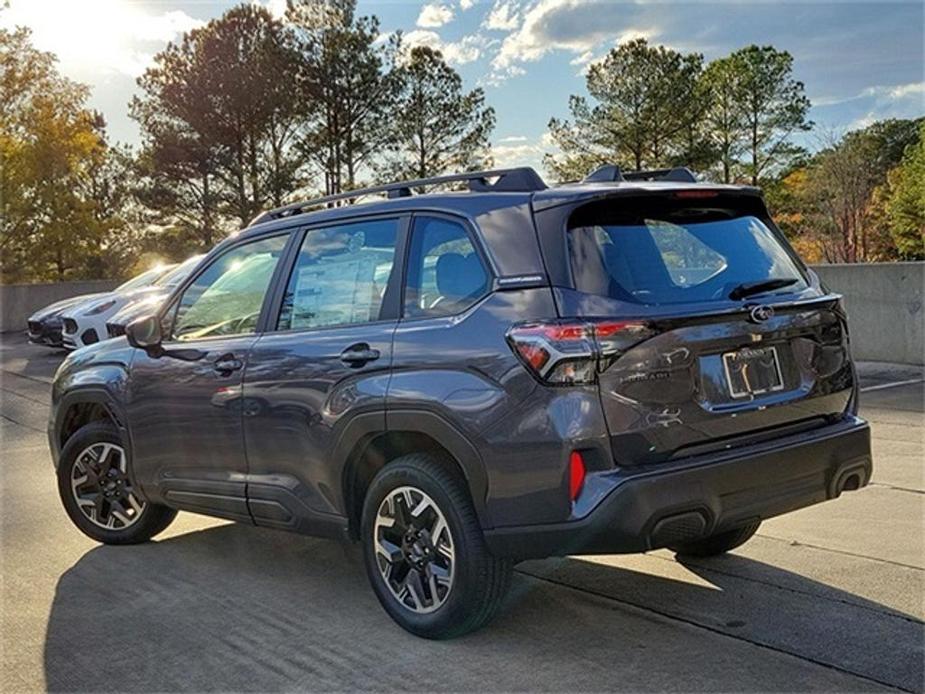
point(753, 371)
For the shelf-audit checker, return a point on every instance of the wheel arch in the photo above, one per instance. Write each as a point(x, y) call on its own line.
point(411, 431)
point(81, 406)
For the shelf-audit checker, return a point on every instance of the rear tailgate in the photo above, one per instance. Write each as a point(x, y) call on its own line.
point(740, 342)
point(712, 382)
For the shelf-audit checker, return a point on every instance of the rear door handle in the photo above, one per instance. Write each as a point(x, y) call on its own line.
point(227, 363)
point(357, 355)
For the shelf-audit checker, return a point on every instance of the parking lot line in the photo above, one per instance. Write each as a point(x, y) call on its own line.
point(894, 384)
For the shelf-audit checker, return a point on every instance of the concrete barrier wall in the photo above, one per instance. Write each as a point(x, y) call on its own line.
point(885, 312)
point(19, 301)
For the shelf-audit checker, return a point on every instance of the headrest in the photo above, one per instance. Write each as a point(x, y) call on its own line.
point(458, 276)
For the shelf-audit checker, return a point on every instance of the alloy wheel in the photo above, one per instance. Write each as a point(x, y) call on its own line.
point(414, 549)
point(102, 488)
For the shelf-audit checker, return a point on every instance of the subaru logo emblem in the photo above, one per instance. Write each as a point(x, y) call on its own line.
point(759, 314)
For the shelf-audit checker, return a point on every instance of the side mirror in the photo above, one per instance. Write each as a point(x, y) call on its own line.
point(145, 333)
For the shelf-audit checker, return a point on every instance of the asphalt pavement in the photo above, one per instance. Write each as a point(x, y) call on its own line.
point(828, 598)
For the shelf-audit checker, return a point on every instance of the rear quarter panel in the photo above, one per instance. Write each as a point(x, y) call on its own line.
point(461, 370)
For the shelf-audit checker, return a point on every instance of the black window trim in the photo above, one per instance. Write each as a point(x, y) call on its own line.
point(469, 228)
point(388, 311)
point(174, 302)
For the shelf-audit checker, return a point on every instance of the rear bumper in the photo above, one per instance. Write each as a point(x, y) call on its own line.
point(692, 498)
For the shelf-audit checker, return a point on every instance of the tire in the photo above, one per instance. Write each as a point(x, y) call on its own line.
point(467, 590)
point(714, 545)
point(97, 515)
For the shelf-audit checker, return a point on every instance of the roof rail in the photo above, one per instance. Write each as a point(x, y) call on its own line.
point(610, 173)
point(516, 180)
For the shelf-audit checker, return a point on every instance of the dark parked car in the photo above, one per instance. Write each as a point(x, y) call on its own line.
point(461, 380)
point(44, 327)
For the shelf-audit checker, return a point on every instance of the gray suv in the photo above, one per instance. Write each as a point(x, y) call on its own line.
point(464, 379)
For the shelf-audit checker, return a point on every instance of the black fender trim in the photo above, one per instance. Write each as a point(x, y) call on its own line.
point(82, 395)
point(459, 446)
point(362, 429)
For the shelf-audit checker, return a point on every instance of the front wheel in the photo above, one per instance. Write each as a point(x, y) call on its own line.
point(424, 552)
point(96, 488)
point(717, 544)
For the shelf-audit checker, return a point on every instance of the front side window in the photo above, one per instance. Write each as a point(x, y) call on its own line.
point(341, 276)
point(659, 255)
point(445, 273)
point(226, 298)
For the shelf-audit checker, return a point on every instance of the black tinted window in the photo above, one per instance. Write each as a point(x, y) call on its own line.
point(679, 256)
point(340, 276)
point(445, 273)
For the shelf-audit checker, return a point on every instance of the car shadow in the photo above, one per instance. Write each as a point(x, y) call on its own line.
point(762, 604)
point(238, 608)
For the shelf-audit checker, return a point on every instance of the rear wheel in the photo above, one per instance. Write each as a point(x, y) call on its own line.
point(717, 544)
point(96, 488)
point(424, 552)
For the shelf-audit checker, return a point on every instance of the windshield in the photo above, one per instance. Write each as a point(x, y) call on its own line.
point(144, 279)
point(676, 256)
point(179, 273)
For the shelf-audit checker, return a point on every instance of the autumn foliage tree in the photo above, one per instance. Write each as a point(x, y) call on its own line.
point(837, 204)
point(58, 216)
point(905, 200)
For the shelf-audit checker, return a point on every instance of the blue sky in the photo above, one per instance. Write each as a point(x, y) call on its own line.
point(860, 61)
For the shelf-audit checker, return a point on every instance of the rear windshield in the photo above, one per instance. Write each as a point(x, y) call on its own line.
point(674, 254)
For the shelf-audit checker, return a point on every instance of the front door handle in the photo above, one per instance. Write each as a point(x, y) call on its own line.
point(227, 363)
point(357, 355)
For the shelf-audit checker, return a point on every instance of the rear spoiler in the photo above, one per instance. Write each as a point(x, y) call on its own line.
point(585, 193)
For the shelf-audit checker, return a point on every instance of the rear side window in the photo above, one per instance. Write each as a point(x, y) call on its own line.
point(668, 256)
point(340, 276)
point(445, 273)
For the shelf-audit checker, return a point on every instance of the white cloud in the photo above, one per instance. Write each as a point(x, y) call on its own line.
point(576, 26)
point(887, 92)
point(466, 50)
point(583, 58)
point(907, 89)
point(466, 4)
point(125, 42)
point(521, 151)
point(879, 102)
point(504, 16)
point(276, 7)
point(434, 15)
point(497, 76)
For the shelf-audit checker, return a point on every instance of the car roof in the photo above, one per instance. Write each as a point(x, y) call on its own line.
point(462, 203)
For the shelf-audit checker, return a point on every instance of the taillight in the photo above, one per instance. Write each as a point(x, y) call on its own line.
point(696, 194)
point(576, 475)
point(563, 352)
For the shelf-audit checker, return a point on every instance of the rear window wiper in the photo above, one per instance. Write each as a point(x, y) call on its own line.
point(749, 288)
